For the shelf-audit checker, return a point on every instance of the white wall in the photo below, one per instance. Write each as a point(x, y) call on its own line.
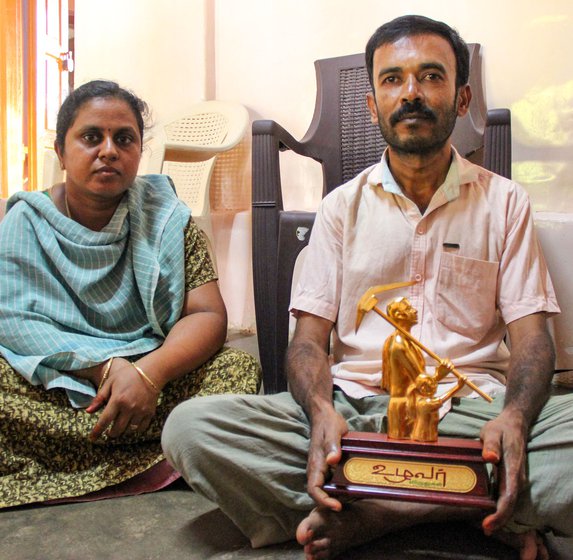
point(263, 58)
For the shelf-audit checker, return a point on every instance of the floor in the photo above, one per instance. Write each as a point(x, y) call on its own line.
point(178, 524)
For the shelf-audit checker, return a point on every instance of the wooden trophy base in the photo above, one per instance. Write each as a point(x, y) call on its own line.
point(449, 471)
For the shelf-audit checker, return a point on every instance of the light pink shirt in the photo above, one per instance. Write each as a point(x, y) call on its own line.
point(474, 255)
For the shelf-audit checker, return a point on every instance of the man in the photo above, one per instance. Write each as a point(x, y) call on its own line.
point(466, 237)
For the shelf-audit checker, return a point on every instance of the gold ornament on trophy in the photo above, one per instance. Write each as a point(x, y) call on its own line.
point(410, 462)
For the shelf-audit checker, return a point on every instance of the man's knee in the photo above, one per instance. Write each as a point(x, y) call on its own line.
point(188, 427)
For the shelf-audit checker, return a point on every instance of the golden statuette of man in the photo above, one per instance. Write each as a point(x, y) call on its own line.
point(413, 406)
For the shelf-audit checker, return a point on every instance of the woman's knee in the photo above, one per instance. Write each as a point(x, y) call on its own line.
point(230, 371)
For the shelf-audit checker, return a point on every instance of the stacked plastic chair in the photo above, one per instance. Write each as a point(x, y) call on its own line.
point(191, 146)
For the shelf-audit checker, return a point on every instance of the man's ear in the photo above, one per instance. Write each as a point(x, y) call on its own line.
point(372, 107)
point(464, 99)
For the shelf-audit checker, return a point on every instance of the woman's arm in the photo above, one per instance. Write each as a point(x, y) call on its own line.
point(198, 334)
point(130, 399)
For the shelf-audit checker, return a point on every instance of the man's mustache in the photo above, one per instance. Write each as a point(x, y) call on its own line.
point(415, 109)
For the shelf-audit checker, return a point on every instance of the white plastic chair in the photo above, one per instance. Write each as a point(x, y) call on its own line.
point(50, 171)
point(191, 146)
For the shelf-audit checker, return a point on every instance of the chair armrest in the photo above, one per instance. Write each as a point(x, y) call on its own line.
point(269, 139)
point(275, 130)
point(180, 152)
point(285, 141)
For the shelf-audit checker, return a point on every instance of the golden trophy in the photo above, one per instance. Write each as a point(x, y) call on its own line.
point(410, 462)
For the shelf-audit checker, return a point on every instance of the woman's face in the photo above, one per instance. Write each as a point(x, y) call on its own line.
point(102, 148)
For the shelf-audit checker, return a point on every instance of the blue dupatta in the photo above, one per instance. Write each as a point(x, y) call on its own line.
point(71, 298)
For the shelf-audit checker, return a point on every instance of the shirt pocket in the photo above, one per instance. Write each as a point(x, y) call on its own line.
point(466, 295)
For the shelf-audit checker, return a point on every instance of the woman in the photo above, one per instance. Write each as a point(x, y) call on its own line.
point(110, 313)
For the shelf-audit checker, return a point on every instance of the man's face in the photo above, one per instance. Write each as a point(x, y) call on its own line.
point(405, 313)
point(415, 101)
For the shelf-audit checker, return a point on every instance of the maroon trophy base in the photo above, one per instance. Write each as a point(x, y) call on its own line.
point(449, 471)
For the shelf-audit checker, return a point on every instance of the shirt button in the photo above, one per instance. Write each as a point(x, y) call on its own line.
point(418, 277)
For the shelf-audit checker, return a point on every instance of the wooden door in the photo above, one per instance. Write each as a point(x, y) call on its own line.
point(11, 97)
point(54, 65)
point(34, 51)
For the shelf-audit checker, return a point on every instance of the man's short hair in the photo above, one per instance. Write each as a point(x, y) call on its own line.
point(396, 307)
point(408, 26)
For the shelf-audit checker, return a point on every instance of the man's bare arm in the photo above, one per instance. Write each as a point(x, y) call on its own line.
point(307, 365)
point(310, 383)
point(531, 367)
point(528, 382)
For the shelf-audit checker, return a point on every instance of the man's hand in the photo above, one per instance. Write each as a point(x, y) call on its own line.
point(445, 367)
point(505, 444)
point(324, 453)
point(310, 382)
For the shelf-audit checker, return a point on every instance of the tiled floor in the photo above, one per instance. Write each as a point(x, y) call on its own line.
point(177, 524)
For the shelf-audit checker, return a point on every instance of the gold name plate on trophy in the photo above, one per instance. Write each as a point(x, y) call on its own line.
point(449, 471)
point(410, 462)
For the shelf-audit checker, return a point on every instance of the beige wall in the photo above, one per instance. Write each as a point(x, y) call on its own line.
point(526, 59)
point(261, 52)
point(264, 50)
point(156, 48)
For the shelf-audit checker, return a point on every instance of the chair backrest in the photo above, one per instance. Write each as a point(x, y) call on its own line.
point(342, 138)
point(191, 178)
point(190, 147)
point(192, 142)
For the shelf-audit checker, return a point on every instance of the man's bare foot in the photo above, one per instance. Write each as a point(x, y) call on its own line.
point(531, 545)
point(327, 534)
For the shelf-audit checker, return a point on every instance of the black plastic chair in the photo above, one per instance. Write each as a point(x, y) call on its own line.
point(342, 138)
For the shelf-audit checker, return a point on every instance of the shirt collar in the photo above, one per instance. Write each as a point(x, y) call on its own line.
point(461, 172)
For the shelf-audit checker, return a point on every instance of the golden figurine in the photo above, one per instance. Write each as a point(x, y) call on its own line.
point(409, 462)
point(413, 407)
point(402, 362)
point(424, 406)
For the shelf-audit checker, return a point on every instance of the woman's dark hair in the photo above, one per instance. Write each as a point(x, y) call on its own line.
point(91, 90)
point(407, 26)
